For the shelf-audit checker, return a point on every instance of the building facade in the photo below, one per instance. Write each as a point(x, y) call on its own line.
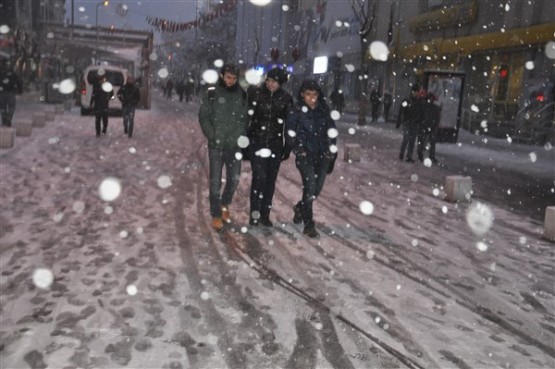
point(503, 50)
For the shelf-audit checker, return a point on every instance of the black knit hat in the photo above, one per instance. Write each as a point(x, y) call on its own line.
point(278, 75)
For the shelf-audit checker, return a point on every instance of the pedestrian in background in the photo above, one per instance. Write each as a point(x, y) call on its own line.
point(375, 101)
point(428, 129)
point(337, 100)
point(410, 117)
point(223, 118)
point(180, 89)
point(271, 106)
point(129, 95)
point(311, 133)
point(102, 93)
point(387, 102)
point(169, 88)
point(10, 85)
point(189, 89)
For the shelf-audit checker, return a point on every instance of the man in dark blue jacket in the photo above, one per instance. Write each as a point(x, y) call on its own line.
point(311, 133)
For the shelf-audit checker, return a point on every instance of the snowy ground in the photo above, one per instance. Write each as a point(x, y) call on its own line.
point(143, 282)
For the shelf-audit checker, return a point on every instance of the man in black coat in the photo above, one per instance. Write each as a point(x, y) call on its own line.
point(270, 105)
point(129, 95)
point(103, 91)
point(428, 129)
point(410, 118)
point(10, 85)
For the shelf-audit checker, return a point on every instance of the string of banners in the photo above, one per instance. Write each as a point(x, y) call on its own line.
point(164, 25)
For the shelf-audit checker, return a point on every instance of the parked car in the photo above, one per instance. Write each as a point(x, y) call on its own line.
point(116, 76)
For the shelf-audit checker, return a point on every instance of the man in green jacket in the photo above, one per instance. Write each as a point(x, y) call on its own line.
point(223, 118)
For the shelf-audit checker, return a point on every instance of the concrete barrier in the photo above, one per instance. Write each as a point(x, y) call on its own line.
point(458, 188)
point(7, 137)
point(23, 128)
point(549, 224)
point(352, 153)
point(50, 115)
point(39, 119)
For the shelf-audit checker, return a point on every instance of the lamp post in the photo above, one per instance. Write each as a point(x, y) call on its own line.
point(105, 3)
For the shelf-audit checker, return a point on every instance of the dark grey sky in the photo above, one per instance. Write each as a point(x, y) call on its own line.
point(138, 10)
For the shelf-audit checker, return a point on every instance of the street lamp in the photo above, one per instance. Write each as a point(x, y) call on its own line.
point(105, 3)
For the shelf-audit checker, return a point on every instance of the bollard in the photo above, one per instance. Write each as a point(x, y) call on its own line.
point(549, 224)
point(352, 153)
point(50, 115)
point(458, 188)
point(23, 128)
point(7, 135)
point(39, 119)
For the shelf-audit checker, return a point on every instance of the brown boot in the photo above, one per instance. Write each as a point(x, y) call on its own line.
point(217, 224)
point(226, 215)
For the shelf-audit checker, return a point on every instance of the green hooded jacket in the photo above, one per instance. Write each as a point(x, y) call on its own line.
point(223, 116)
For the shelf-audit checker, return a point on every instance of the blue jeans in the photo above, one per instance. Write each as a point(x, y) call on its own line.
point(218, 158)
point(313, 169)
point(128, 119)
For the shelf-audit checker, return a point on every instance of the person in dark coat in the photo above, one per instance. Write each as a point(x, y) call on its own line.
point(10, 85)
point(129, 95)
point(270, 105)
point(102, 93)
point(180, 89)
point(428, 129)
point(375, 101)
point(224, 119)
point(337, 100)
point(311, 133)
point(410, 117)
point(189, 89)
point(169, 88)
point(387, 102)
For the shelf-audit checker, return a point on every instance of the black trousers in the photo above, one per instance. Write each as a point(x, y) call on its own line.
point(101, 115)
point(313, 169)
point(264, 175)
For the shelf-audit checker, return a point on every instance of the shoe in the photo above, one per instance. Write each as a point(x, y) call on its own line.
point(217, 224)
point(266, 222)
point(434, 160)
point(409, 160)
point(298, 217)
point(253, 222)
point(226, 216)
point(401, 157)
point(310, 231)
point(98, 135)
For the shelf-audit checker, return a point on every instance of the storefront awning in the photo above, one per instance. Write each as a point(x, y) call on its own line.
point(519, 37)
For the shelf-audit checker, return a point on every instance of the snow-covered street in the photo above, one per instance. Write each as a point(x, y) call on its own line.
point(399, 279)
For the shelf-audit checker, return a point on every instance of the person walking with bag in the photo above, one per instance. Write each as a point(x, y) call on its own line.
point(223, 118)
point(270, 105)
point(129, 95)
point(311, 133)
